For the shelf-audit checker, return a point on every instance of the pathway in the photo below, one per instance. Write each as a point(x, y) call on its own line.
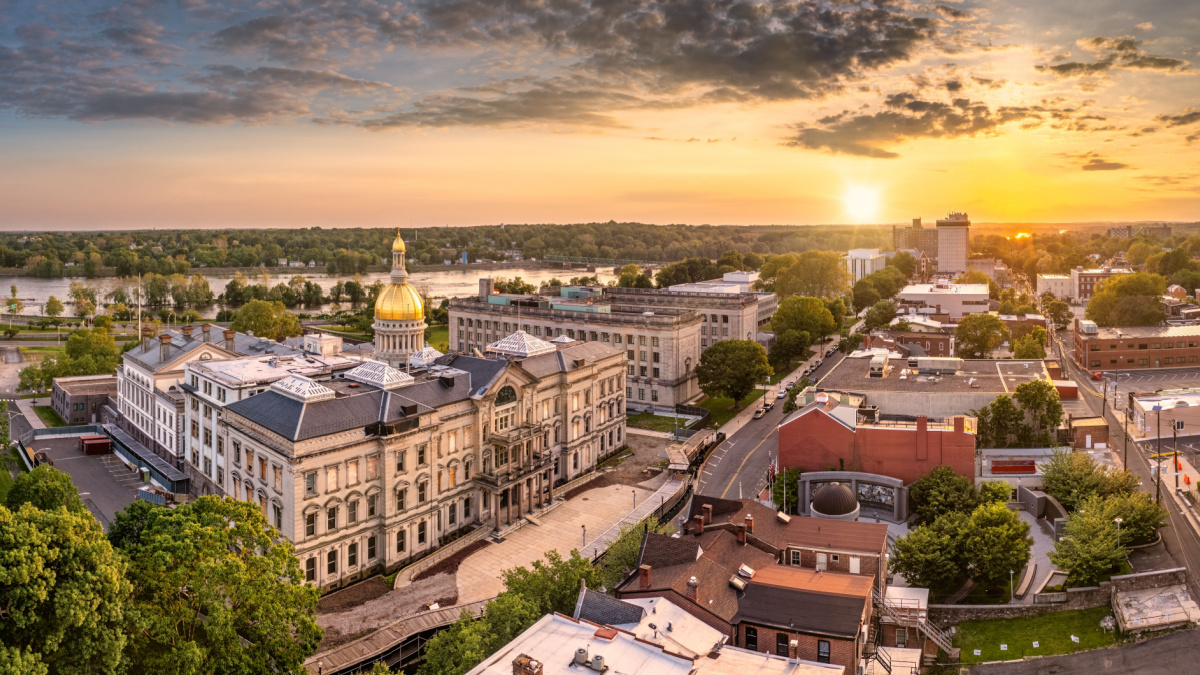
point(25, 405)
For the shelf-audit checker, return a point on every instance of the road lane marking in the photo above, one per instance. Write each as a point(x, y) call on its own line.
point(743, 464)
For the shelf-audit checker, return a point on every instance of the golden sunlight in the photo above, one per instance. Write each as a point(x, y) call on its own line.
point(861, 203)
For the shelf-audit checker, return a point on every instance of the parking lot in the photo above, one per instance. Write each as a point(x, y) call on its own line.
point(105, 484)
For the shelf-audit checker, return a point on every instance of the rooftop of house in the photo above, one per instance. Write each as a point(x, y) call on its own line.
point(806, 600)
point(1000, 376)
point(669, 625)
point(151, 356)
point(802, 531)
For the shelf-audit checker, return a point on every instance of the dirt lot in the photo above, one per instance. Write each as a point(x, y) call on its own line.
point(634, 469)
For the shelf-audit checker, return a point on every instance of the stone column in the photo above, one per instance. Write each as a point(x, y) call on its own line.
point(509, 494)
point(496, 507)
point(550, 480)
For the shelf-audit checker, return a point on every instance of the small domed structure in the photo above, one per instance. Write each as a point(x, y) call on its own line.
point(835, 501)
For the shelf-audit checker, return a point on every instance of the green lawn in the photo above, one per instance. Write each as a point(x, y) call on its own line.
point(439, 338)
point(48, 417)
point(1051, 631)
point(719, 407)
point(650, 421)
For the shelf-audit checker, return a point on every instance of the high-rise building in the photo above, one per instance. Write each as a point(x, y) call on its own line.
point(863, 261)
point(924, 239)
point(953, 236)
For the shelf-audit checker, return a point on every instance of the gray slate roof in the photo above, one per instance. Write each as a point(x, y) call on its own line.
point(606, 610)
point(244, 345)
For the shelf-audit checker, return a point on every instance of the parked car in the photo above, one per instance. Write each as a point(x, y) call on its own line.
point(767, 405)
point(781, 394)
point(1097, 376)
point(790, 385)
point(759, 413)
point(830, 351)
point(817, 364)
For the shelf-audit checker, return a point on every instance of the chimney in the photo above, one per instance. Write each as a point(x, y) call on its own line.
point(707, 508)
point(187, 331)
point(959, 424)
point(866, 341)
point(749, 524)
point(146, 333)
point(164, 342)
point(793, 649)
point(229, 335)
point(697, 524)
point(644, 577)
point(526, 665)
point(693, 589)
point(741, 534)
point(206, 330)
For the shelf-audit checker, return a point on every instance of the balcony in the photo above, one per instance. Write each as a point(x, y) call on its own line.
point(512, 473)
point(516, 435)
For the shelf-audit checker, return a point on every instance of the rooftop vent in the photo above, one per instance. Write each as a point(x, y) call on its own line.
point(737, 584)
point(746, 571)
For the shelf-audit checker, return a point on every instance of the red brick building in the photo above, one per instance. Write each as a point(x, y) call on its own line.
point(1136, 347)
point(927, 344)
point(825, 434)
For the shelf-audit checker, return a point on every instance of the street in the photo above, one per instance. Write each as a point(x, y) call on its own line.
point(738, 468)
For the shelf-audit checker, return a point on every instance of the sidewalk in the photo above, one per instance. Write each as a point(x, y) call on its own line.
point(744, 417)
point(25, 405)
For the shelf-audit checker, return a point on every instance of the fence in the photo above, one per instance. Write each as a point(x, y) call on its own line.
point(442, 553)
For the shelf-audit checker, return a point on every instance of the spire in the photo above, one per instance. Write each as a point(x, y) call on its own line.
point(399, 274)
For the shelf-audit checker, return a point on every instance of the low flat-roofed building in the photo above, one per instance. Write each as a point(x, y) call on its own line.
point(79, 399)
point(1058, 285)
point(956, 300)
point(1136, 347)
point(903, 390)
point(1085, 282)
point(1173, 414)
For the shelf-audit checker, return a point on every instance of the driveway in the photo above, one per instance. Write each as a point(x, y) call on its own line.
point(1171, 655)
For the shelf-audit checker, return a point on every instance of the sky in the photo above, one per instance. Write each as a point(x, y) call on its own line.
point(294, 113)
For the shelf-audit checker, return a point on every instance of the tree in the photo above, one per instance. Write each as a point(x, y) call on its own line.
point(978, 334)
point(732, 259)
point(927, 556)
point(63, 591)
point(242, 581)
point(972, 277)
point(632, 276)
point(837, 309)
point(54, 308)
point(752, 261)
point(553, 585)
point(785, 490)
point(1074, 477)
point(44, 488)
point(732, 368)
point(994, 541)
point(865, 294)
point(1059, 312)
point(815, 273)
point(994, 491)
point(1088, 548)
point(787, 346)
point(939, 492)
point(1042, 410)
point(516, 286)
point(1173, 261)
point(459, 648)
point(905, 262)
point(622, 555)
point(1128, 300)
point(880, 315)
point(1032, 345)
point(1140, 516)
point(803, 314)
point(266, 319)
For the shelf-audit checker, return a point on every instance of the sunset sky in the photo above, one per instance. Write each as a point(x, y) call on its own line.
point(206, 113)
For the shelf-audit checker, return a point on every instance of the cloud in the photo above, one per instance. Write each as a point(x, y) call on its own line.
point(1145, 26)
point(953, 13)
point(907, 117)
point(1182, 119)
point(1113, 53)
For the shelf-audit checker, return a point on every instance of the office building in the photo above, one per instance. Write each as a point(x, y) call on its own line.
point(1129, 231)
point(1135, 347)
point(1058, 285)
point(953, 235)
point(923, 239)
point(1084, 282)
point(954, 300)
point(661, 331)
point(80, 399)
point(863, 261)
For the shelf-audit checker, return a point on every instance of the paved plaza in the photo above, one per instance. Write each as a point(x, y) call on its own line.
point(561, 529)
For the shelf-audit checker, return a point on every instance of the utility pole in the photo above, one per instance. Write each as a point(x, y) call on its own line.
point(1127, 409)
point(1175, 446)
point(1158, 483)
point(1104, 399)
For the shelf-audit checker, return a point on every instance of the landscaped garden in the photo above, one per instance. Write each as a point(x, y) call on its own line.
point(1052, 633)
point(721, 410)
point(652, 422)
point(48, 417)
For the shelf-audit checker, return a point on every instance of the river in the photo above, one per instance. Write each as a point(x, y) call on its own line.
point(437, 285)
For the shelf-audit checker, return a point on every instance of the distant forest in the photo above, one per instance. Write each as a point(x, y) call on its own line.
point(353, 250)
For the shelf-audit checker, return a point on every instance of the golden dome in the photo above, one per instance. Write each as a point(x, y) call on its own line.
point(399, 302)
point(398, 244)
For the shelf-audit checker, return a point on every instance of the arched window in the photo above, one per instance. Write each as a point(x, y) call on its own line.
point(506, 395)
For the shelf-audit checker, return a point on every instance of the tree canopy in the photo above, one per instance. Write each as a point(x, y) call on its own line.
point(732, 368)
point(44, 488)
point(1128, 300)
point(1075, 477)
point(820, 274)
point(880, 315)
point(806, 314)
point(978, 334)
point(266, 319)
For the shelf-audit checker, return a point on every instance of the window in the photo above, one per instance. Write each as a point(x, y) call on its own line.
point(656, 372)
point(836, 557)
point(331, 478)
point(752, 638)
point(221, 446)
point(237, 452)
point(373, 467)
point(262, 470)
point(617, 338)
point(642, 340)
point(310, 483)
point(401, 499)
point(399, 461)
point(653, 394)
point(331, 519)
point(370, 548)
point(422, 449)
point(352, 555)
point(642, 356)
point(421, 532)
point(466, 508)
point(781, 644)
point(655, 359)
point(331, 563)
point(653, 342)
point(208, 437)
point(310, 569)
point(452, 513)
point(278, 512)
point(220, 476)
point(422, 491)
point(352, 472)
point(372, 501)
point(641, 394)
point(796, 558)
point(352, 512)
point(310, 524)
point(278, 478)
point(401, 537)
point(822, 651)
point(642, 371)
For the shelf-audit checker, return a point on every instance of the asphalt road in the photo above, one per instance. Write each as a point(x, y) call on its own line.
point(1180, 542)
point(1170, 655)
point(738, 468)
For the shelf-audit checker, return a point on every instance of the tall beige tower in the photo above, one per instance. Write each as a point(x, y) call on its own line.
point(953, 236)
point(399, 315)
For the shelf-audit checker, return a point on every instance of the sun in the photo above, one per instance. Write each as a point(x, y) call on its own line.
point(861, 203)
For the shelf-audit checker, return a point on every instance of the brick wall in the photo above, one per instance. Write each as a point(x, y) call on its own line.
point(868, 565)
point(916, 639)
point(841, 652)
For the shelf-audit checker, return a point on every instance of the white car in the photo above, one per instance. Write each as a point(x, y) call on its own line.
point(781, 394)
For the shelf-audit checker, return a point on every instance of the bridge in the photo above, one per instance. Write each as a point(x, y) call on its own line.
point(604, 262)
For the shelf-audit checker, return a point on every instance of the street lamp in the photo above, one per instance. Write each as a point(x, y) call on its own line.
point(1118, 520)
point(1158, 459)
point(584, 537)
point(1010, 587)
